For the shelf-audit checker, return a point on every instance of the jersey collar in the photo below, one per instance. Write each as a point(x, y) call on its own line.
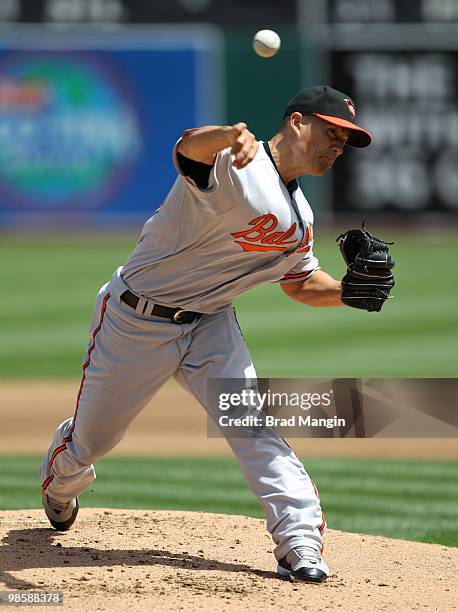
point(292, 185)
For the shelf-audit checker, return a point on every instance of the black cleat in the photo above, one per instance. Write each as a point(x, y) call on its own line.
point(60, 515)
point(303, 564)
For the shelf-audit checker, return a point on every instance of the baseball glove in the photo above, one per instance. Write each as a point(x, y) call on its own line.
point(369, 280)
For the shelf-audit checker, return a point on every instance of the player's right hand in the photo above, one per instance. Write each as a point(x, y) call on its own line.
point(243, 144)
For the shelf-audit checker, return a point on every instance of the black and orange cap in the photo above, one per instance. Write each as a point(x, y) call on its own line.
point(332, 106)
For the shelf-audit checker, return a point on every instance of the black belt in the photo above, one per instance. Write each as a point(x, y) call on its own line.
point(177, 315)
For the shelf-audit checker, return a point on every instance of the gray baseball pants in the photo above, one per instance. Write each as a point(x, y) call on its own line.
point(129, 357)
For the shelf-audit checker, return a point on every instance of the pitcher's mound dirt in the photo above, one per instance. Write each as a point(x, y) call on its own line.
point(150, 560)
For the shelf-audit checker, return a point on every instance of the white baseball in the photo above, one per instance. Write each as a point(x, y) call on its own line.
point(266, 43)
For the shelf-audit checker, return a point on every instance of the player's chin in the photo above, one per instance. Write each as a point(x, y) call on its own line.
point(323, 165)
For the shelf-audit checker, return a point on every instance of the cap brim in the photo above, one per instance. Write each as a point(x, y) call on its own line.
point(358, 138)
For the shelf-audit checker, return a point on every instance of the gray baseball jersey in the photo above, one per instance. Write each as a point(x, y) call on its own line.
point(200, 250)
point(204, 247)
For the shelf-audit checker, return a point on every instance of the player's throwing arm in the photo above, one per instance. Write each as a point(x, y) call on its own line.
point(202, 144)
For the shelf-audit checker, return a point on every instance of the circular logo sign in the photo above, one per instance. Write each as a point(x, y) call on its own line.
point(68, 130)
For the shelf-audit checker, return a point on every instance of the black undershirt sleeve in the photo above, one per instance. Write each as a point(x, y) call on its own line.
point(199, 172)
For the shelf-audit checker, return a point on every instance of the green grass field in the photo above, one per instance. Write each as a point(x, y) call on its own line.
point(49, 287)
point(415, 500)
point(48, 291)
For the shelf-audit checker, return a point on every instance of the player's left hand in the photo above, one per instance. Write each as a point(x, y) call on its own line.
point(369, 279)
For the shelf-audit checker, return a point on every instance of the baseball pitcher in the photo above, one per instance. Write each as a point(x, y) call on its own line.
point(234, 219)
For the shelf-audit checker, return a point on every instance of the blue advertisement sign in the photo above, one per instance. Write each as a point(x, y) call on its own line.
point(88, 121)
